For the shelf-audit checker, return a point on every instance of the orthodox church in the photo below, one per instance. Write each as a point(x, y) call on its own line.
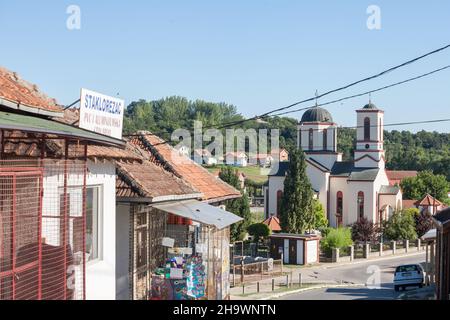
point(348, 190)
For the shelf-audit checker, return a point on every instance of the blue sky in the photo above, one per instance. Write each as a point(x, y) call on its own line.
point(256, 55)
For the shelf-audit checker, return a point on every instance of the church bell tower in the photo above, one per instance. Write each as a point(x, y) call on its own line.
point(369, 152)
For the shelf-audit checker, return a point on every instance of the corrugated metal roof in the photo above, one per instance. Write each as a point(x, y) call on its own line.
point(26, 123)
point(200, 212)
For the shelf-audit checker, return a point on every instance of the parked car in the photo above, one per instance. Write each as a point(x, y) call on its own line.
point(408, 276)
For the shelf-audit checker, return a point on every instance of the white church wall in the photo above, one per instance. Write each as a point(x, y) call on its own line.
point(338, 184)
point(368, 187)
point(275, 184)
point(319, 182)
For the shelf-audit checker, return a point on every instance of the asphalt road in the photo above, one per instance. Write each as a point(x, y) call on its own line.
point(378, 275)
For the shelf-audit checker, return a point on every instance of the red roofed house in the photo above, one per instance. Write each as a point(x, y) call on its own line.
point(427, 204)
point(280, 155)
point(396, 177)
point(430, 204)
point(273, 223)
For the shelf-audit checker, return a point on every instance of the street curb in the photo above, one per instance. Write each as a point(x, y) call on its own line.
point(281, 294)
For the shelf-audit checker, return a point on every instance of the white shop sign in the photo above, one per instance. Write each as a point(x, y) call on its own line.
point(102, 114)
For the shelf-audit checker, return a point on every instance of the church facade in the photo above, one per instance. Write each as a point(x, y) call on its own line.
point(348, 190)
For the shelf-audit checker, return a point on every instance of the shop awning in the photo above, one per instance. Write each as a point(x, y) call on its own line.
point(33, 124)
point(200, 212)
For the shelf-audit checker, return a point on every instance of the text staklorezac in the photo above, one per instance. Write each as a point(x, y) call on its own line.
point(103, 105)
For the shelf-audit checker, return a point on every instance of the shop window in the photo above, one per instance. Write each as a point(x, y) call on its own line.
point(93, 218)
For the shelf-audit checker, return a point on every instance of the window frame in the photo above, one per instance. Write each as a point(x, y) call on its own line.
point(100, 223)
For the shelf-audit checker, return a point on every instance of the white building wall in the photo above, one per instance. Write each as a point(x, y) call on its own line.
point(101, 273)
point(336, 185)
point(319, 182)
point(275, 184)
point(123, 225)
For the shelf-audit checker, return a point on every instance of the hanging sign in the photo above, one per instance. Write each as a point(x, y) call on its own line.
point(102, 114)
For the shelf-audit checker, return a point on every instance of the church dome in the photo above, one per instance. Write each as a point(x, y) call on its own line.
point(370, 106)
point(317, 115)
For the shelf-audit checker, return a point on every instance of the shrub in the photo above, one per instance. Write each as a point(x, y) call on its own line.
point(364, 231)
point(401, 226)
point(424, 223)
point(259, 231)
point(336, 238)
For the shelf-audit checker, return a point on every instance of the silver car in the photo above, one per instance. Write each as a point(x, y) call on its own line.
point(410, 275)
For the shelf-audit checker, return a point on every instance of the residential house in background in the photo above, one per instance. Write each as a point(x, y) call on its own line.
point(396, 177)
point(205, 156)
point(280, 155)
point(183, 150)
point(262, 159)
point(237, 159)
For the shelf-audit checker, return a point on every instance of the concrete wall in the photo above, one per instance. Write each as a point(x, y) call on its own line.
point(123, 225)
point(101, 274)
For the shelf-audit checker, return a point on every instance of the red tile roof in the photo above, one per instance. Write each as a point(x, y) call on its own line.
point(409, 204)
point(429, 201)
point(149, 180)
point(18, 91)
point(400, 175)
point(273, 223)
point(212, 188)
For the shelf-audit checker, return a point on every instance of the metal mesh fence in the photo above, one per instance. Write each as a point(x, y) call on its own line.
point(42, 229)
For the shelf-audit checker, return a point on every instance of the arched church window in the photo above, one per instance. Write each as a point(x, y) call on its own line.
point(339, 207)
point(340, 202)
point(360, 204)
point(366, 129)
point(311, 139)
point(325, 139)
point(279, 198)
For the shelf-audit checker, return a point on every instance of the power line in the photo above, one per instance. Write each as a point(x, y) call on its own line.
point(367, 92)
point(365, 79)
point(341, 99)
point(343, 87)
point(356, 127)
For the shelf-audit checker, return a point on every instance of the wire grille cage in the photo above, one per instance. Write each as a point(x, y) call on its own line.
point(42, 229)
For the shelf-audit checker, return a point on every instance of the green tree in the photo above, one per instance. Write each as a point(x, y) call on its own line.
point(297, 214)
point(239, 206)
point(425, 182)
point(320, 219)
point(401, 226)
point(259, 231)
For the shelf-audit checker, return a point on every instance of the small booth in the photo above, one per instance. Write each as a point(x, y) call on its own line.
point(295, 248)
point(182, 251)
